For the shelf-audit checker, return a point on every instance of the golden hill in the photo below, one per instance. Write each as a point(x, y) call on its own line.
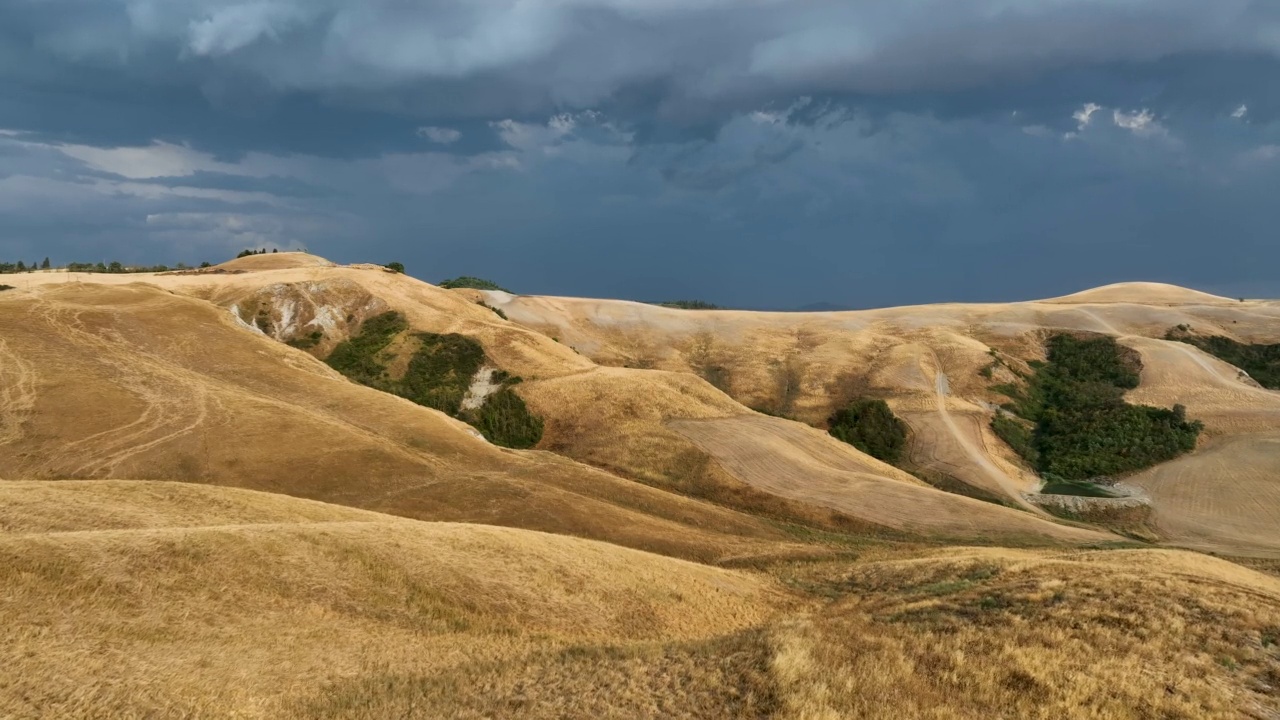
point(195, 384)
point(151, 599)
point(236, 593)
point(1142, 293)
point(930, 363)
point(131, 381)
point(157, 599)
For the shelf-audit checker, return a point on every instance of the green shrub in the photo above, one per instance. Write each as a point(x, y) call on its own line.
point(496, 311)
point(438, 376)
point(1083, 426)
point(440, 371)
point(1018, 436)
point(473, 283)
point(307, 341)
point(1262, 362)
point(871, 426)
point(687, 305)
point(505, 420)
point(357, 357)
point(394, 267)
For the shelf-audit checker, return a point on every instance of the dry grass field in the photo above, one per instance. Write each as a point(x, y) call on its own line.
point(131, 381)
point(142, 605)
point(1017, 634)
point(156, 599)
point(198, 520)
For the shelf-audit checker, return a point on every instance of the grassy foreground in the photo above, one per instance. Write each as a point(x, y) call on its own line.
point(147, 599)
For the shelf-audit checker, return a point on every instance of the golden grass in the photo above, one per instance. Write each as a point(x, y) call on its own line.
point(998, 633)
point(146, 599)
point(130, 381)
point(800, 463)
point(251, 614)
point(807, 364)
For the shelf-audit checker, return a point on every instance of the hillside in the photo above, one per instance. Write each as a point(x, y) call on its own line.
point(150, 598)
point(130, 381)
point(1142, 293)
point(937, 365)
point(215, 602)
point(200, 517)
point(172, 419)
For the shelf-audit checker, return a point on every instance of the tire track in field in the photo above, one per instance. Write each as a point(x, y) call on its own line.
point(17, 393)
point(174, 405)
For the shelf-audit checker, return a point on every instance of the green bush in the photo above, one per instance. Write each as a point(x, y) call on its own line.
point(394, 267)
point(505, 420)
point(870, 426)
point(687, 305)
point(1262, 362)
point(473, 283)
point(438, 376)
point(496, 311)
point(440, 371)
point(307, 341)
point(1017, 435)
point(1083, 426)
point(357, 357)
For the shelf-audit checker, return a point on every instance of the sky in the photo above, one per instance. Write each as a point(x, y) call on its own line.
point(751, 153)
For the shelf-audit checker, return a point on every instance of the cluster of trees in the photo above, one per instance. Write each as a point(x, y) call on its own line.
point(8, 268)
point(870, 426)
point(438, 376)
point(114, 266)
point(473, 283)
point(117, 267)
point(247, 252)
point(1071, 422)
point(687, 305)
point(1261, 361)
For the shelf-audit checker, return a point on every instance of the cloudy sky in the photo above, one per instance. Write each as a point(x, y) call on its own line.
point(757, 153)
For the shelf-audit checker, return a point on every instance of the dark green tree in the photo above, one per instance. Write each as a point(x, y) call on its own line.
point(871, 426)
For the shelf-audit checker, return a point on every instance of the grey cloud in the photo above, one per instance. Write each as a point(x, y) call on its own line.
point(287, 187)
point(513, 57)
point(575, 146)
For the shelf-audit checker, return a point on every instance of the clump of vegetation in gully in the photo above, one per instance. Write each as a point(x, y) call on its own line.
point(438, 375)
point(1070, 420)
point(1260, 361)
point(871, 426)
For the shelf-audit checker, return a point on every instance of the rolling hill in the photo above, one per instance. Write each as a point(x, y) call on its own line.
point(200, 517)
point(937, 366)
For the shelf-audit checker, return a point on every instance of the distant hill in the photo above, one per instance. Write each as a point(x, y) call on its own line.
point(822, 307)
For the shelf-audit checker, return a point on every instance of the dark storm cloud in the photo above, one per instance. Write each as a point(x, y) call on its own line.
point(754, 152)
point(267, 65)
